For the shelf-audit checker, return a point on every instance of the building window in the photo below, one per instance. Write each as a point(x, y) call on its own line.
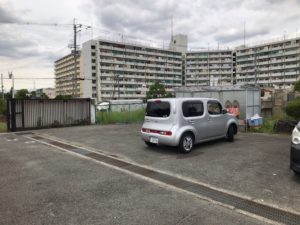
point(93, 46)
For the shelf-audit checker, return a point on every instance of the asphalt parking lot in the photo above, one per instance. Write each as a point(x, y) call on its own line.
point(45, 185)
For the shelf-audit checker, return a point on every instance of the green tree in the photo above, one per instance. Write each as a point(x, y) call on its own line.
point(297, 86)
point(63, 97)
point(157, 90)
point(293, 108)
point(44, 96)
point(22, 93)
point(2, 107)
point(7, 95)
point(33, 94)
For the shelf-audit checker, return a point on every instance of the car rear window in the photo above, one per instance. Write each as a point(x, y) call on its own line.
point(158, 109)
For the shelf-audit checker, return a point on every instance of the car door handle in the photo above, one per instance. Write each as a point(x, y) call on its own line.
point(191, 121)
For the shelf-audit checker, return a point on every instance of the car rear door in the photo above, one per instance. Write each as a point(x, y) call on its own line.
point(193, 115)
point(216, 119)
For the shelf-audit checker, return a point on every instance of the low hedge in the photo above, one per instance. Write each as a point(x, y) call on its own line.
point(293, 108)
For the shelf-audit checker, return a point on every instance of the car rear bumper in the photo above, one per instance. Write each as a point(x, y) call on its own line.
point(162, 139)
point(295, 157)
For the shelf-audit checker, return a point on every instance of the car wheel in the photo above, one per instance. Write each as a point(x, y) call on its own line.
point(186, 143)
point(150, 144)
point(230, 134)
point(296, 173)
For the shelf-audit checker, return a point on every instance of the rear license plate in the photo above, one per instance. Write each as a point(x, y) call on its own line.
point(154, 140)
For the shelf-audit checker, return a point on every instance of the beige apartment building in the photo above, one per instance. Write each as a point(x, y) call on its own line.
point(119, 70)
point(272, 64)
point(125, 71)
point(64, 75)
point(208, 68)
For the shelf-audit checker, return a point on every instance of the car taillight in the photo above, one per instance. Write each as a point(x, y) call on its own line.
point(168, 133)
point(161, 132)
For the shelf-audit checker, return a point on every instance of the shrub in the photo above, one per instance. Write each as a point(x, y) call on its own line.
point(2, 107)
point(293, 108)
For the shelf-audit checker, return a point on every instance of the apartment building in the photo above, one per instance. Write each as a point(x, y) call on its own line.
point(64, 75)
point(114, 69)
point(50, 92)
point(274, 64)
point(208, 68)
point(120, 70)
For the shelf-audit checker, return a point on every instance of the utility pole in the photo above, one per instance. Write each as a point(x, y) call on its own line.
point(11, 76)
point(2, 87)
point(75, 54)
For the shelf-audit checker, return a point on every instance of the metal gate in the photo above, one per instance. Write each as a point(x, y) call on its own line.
point(24, 114)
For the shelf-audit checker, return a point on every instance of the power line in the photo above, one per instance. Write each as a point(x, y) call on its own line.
point(42, 78)
point(31, 78)
point(36, 24)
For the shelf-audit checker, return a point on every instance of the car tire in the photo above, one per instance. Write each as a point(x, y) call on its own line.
point(296, 173)
point(150, 144)
point(186, 143)
point(230, 134)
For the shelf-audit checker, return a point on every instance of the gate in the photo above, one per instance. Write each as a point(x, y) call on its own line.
point(24, 114)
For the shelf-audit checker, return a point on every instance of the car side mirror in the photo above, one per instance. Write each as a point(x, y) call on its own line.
point(224, 111)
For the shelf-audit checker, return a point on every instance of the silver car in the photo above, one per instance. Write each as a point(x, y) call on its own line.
point(184, 122)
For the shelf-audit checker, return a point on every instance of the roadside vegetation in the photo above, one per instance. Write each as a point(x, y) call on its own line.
point(2, 115)
point(269, 124)
point(3, 127)
point(120, 117)
point(285, 120)
point(156, 90)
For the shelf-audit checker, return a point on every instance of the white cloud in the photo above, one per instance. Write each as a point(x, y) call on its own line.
point(31, 50)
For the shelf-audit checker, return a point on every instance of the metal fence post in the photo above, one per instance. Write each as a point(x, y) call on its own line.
point(23, 115)
point(129, 114)
point(8, 118)
point(13, 114)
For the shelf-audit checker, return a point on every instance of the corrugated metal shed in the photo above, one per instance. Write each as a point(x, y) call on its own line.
point(246, 97)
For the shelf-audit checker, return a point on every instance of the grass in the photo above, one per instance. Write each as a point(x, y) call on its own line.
point(269, 123)
point(3, 127)
point(120, 117)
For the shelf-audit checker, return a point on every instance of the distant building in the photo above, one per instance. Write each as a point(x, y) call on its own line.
point(179, 43)
point(274, 64)
point(50, 92)
point(65, 81)
point(108, 69)
point(114, 70)
point(208, 68)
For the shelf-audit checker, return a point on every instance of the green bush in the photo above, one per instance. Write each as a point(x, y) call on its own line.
point(2, 107)
point(120, 117)
point(2, 127)
point(269, 123)
point(293, 109)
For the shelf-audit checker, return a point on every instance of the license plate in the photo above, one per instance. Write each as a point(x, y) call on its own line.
point(154, 140)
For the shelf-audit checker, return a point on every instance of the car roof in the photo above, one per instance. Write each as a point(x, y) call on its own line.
point(183, 99)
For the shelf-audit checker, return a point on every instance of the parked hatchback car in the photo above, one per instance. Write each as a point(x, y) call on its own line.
point(295, 150)
point(184, 122)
